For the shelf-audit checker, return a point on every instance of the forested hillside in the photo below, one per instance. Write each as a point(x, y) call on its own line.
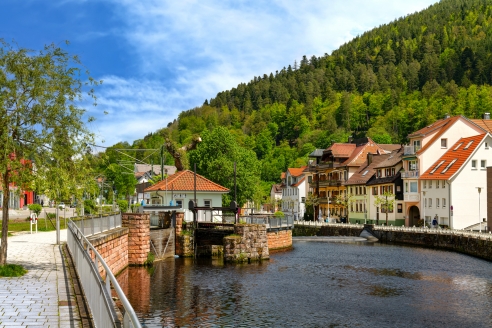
point(385, 84)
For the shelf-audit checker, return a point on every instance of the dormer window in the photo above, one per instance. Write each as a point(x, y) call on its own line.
point(416, 145)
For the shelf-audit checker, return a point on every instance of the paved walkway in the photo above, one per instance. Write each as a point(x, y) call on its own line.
point(44, 297)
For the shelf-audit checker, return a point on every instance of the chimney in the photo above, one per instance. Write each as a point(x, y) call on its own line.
point(369, 158)
point(350, 139)
point(446, 116)
point(486, 116)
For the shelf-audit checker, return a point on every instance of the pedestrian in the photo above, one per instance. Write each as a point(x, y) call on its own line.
point(434, 222)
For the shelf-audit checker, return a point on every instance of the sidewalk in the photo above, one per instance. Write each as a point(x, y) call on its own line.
point(45, 296)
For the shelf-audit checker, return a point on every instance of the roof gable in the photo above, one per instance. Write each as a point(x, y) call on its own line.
point(185, 181)
point(295, 172)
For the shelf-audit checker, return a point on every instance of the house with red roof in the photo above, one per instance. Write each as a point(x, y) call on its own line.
point(454, 186)
point(333, 169)
point(426, 146)
point(294, 192)
point(179, 189)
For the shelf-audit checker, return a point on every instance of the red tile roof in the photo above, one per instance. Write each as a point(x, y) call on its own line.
point(343, 150)
point(439, 127)
point(449, 163)
point(184, 181)
point(359, 155)
point(295, 172)
point(484, 124)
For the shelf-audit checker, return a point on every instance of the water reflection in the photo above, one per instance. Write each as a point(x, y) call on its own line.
point(317, 284)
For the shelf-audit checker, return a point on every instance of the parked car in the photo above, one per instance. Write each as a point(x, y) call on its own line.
point(73, 205)
point(61, 206)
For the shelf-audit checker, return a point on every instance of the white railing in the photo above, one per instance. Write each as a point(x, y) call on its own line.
point(94, 225)
point(96, 289)
point(270, 222)
point(440, 231)
point(410, 174)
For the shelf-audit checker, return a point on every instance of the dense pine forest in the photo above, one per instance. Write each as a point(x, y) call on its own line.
point(384, 84)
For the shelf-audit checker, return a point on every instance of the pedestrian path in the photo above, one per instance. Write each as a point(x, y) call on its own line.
point(44, 297)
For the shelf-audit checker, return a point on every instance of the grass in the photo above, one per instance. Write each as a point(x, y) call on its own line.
point(16, 225)
point(12, 270)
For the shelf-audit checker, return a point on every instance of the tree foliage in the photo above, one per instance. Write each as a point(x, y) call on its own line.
point(43, 135)
point(386, 201)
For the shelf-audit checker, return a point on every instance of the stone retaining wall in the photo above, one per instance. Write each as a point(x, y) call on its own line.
point(249, 243)
point(279, 239)
point(300, 230)
point(113, 248)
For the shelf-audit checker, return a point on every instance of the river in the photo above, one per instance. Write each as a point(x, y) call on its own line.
point(317, 284)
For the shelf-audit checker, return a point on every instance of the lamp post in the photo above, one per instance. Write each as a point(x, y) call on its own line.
point(479, 220)
point(423, 205)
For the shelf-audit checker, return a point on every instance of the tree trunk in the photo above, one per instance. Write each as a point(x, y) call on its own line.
point(386, 216)
point(5, 218)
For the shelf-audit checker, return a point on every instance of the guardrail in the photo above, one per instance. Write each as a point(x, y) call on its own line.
point(96, 289)
point(91, 225)
point(440, 231)
point(270, 222)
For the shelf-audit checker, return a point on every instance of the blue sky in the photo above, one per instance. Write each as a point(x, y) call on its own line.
point(160, 57)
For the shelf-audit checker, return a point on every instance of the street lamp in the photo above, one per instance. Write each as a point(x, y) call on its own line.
point(423, 203)
point(479, 220)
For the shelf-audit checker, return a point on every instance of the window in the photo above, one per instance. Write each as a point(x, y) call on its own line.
point(483, 164)
point(398, 188)
point(374, 190)
point(443, 183)
point(444, 143)
point(351, 190)
point(406, 186)
point(365, 191)
point(443, 202)
point(425, 184)
point(474, 164)
point(379, 173)
point(430, 184)
point(468, 145)
point(459, 145)
point(392, 171)
point(437, 202)
point(310, 179)
point(437, 183)
point(430, 202)
point(365, 172)
point(179, 202)
point(207, 203)
point(425, 202)
point(416, 144)
point(436, 167)
point(412, 165)
point(399, 208)
point(449, 165)
point(486, 145)
point(413, 187)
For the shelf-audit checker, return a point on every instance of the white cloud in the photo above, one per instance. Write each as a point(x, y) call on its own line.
point(190, 50)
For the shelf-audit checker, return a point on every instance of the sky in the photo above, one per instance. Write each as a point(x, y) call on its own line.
point(157, 58)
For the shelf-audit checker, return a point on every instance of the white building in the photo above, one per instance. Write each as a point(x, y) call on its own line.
point(454, 186)
point(294, 187)
point(179, 188)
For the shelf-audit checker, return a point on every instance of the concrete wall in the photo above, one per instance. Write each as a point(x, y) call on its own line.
point(279, 239)
point(113, 247)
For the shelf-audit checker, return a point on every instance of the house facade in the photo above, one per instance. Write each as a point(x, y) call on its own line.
point(454, 186)
point(294, 193)
point(179, 189)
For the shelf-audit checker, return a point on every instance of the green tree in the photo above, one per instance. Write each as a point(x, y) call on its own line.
point(214, 158)
point(42, 124)
point(345, 200)
point(386, 201)
point(312, 200)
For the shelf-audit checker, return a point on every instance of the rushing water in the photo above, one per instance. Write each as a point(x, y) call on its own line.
point(317, 284)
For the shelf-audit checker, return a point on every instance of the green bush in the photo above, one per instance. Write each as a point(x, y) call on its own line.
point(279, 214)
point(135, 207)
point(36, 208)
point(89, 206)
point(123, 205)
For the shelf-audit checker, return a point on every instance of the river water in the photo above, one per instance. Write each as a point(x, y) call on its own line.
point(317, 284)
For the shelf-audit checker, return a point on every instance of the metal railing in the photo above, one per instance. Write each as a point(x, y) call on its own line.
point(440, 231)
point(96, 289)
point(270, 222)
point(91, 225)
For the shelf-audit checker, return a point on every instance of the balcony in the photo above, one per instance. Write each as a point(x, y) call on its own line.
point(410, 174)
point(411, 197)
point(330, 183)
point(410, 150)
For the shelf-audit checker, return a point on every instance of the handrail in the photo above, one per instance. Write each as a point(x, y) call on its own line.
point(440, 231)
point(104, 316)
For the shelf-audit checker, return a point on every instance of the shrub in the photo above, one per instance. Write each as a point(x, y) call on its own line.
point(12, 270)
point(89, 206)
point(36, 208)
point(279, 214)
point(150, 259)
point(123, 205)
